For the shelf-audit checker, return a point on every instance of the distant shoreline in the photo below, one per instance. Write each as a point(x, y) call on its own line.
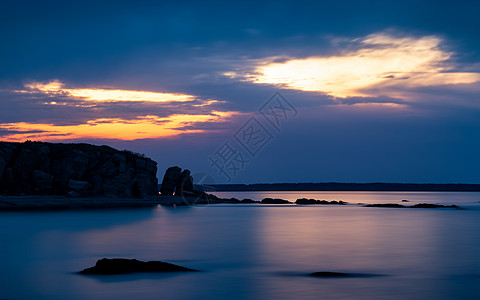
point(342, 187)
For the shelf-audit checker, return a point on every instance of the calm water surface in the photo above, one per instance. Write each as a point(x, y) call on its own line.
point(251, 251)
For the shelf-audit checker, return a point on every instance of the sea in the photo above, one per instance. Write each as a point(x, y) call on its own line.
point(252, 251)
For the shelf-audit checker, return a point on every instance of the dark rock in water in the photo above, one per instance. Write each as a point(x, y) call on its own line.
point(37, 168)
point(385, 205)
point(421, 205)
point(404, 200)
point(329, 274)
point(340, 275)
point(274, 201)
point(428, 205)
point(170, 180)
point(184, 186)
point(313, 201)
point(306, 201)
point(113, 266)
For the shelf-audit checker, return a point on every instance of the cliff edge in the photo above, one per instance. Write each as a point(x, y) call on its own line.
point(38, 168)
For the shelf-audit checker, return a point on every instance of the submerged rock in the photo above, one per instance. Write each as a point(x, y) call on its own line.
point(421, 205)
point(385, 205)
point(340, 275)
point(428, 205)
point(329, 274)
point(113, 266)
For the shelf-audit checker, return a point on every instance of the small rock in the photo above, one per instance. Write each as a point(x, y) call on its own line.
point(329, 274)
point(274, 201)
point(340, 275)
point(112, 266)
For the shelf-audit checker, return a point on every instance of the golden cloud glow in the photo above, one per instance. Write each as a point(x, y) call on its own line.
point(141, 128)
point(383, 62)
point(56, 87)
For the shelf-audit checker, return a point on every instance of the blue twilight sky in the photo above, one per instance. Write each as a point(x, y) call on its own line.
point(379, 90)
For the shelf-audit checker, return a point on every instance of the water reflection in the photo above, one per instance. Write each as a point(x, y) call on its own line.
point(246, 252)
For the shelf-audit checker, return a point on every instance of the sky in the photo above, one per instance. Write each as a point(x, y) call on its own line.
point(252, 91)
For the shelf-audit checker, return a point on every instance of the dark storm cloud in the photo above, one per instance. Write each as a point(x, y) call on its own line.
point(87, 40)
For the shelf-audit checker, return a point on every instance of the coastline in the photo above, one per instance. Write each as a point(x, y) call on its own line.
point(344, 187)
point(55, 202)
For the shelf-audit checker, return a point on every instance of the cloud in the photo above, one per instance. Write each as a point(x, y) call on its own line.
point(381, 65)
point(143, 127)
point(50, 111)
point(56, 88)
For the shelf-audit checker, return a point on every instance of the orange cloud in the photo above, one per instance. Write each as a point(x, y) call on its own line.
point(122, 128)
point(57, 88)
point(141, 128)
point(382, 63)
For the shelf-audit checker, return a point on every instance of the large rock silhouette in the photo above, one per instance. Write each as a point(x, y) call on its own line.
point(37, 168)
point(178, 182)
point(185, 184)
point(170, 180)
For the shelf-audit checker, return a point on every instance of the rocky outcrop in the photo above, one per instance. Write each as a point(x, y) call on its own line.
point(274, 201)
point(306, 201)
point(37, 168)
point(113, 266)
point(170, 180)
point(185, 184)
point(178, 182)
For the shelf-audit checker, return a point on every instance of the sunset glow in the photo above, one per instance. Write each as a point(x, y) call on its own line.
point(141, 128)
point(56, 88)
point(381, 62)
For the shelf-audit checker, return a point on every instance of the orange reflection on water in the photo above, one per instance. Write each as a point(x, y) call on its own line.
point(344, 238)
point(143, 127)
